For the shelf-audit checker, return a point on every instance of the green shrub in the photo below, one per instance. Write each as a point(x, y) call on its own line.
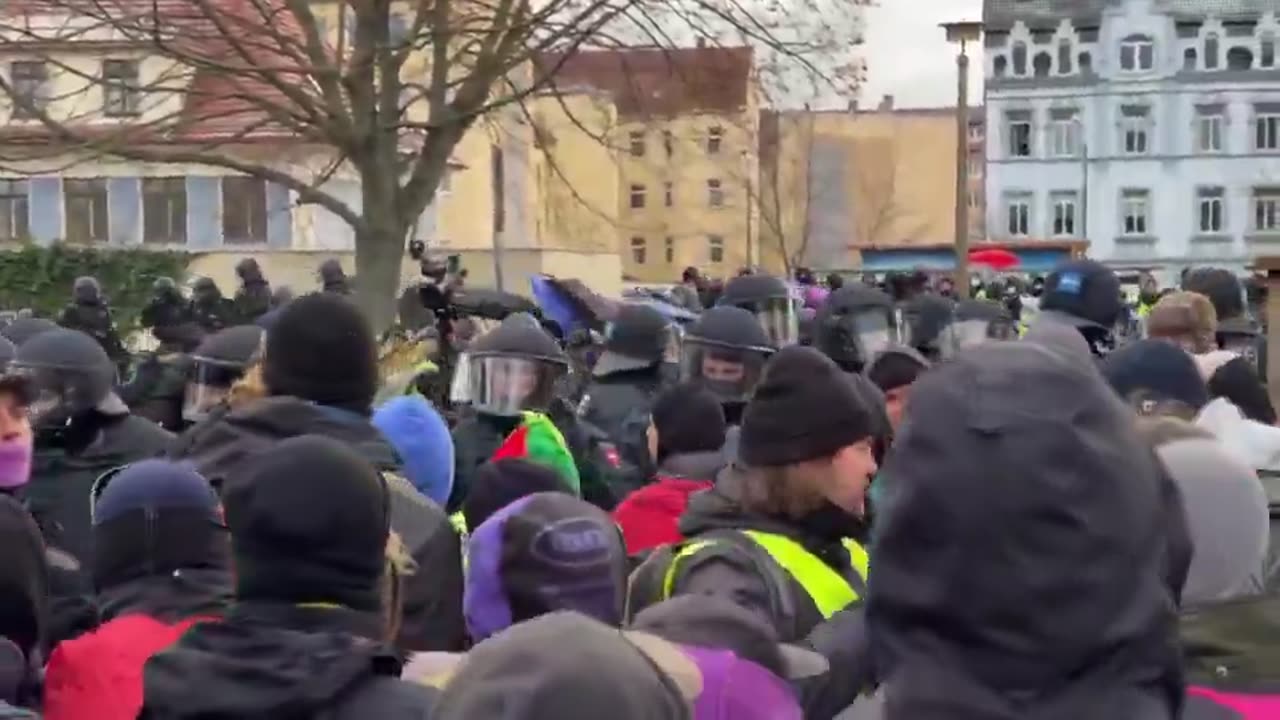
point(40, 278)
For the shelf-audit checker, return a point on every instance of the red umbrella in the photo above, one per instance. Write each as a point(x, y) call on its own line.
point(994, 258)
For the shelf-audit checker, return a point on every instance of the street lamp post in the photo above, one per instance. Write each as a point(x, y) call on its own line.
point(962, 33)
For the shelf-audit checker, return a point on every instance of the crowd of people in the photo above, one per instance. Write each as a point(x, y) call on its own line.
point(857, 502)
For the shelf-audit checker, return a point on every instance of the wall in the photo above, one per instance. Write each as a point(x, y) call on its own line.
point(576, 192)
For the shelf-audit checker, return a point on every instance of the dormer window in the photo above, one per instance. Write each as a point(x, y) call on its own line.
point(1137, 54)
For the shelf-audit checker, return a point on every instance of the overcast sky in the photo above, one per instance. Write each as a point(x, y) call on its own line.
point(908, 55)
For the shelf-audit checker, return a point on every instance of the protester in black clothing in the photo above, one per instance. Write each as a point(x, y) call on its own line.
point(305, 636)
point(24, 611)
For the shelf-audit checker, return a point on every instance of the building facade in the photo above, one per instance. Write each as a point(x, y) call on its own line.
point(1151, 128)
point(836, 183)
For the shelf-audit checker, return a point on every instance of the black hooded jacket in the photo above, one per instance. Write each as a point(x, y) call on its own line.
point(1028, 550)
point(281, 662)
point(222, 444)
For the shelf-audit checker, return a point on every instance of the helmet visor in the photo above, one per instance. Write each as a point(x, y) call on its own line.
point(208, 386)
point(779, 320)
point(873, 331)
point(730, 373)
point(506, 386)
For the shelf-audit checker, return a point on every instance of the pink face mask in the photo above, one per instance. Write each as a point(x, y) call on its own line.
point(15, 463)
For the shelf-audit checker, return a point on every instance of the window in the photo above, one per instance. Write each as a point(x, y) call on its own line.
point(1042, 64)
point(715, 249)
point(1062, 137)
point(1134, 210)
point(1019, 211)
point(86, 210)
point(164, 211)
point(639, 250)
point(1020, 138)
point(1137, 53)
point(1000, 66)
point(669, 249)
point(13, 210)
point(1239, 58)
point(1267, 136)
point(668, 194)
point(1211, 51)
point(1266, 209)
point(1210, 209)
point(668, 143)
point(1267, 51)
point(715, 138)
point(1085, 61)
point(29, 81)
point(637, 143)
point(637, 197)
point(715, 193)
point(1064, 214)
point(120, 92)
point(1064, 57)
point(244, 210)
point(1189, 59)
point(1209, 133)
point(1133, 133)
point(1019, 59)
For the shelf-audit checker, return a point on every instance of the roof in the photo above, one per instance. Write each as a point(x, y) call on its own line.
point(664, 82)
point(1002, 14)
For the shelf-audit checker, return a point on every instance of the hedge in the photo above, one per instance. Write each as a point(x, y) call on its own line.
point(40, 278)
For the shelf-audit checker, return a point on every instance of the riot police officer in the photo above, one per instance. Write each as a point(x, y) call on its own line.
point(209, 309)
point(856, 324)
point(216, 365)
point(725, 351)
point(924, 318)
point(82, 429)
point(510, 369)
point(628, 377)
point(1085, 295)
point(770, 300)
point(166, 308)
point(88, 312)
point(974, 322)
point(253, 297)
point(333, 279)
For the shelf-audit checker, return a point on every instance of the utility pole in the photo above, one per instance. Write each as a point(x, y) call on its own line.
point(962, 33)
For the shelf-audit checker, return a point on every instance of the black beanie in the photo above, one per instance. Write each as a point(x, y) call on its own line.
point(321, 349)
point(689, 419)
point(498, 483)
point(309, 522)
point(805, 408)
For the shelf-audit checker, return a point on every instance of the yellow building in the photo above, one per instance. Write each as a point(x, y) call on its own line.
point(684, 153)
point(833, 182)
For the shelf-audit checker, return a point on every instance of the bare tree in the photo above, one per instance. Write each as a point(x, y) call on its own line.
point(384, 99)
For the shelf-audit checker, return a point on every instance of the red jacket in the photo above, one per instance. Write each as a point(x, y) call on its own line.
point(650, 516)
point(99, 674)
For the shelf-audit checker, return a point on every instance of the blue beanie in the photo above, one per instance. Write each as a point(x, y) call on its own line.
point(1159, 368)
point(422, 439)
point(155, 484)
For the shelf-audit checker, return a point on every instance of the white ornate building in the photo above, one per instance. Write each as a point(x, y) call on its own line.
point(1149, 127)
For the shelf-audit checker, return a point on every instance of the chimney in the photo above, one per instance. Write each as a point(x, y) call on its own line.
point(886, 104)
point(702, 42)
point(853, 105)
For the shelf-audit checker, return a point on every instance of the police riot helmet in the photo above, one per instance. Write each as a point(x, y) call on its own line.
point(639, 337)
point(331, 271)
point(856, 324)
point(770, 300)
point(248, 271)
point(219, 360)
point(164, 288)
point(923, 320)
point(513, 368)
point(68, 372)
point(204, 289)
point(23, 329)
point(86, 290)
point(725, 351)
point(975, 322)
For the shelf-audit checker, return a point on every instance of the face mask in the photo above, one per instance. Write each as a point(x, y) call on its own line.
point(15, 463)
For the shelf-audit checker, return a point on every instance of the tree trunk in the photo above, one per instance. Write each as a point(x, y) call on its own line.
point(378, 256)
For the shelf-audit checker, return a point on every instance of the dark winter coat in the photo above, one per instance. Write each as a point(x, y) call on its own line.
point(273, 661)
point(221, 446)
point(158, 388)
point(94, 320)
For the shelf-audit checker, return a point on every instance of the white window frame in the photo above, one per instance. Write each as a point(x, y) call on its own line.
point(637, 190)
point(1209, 127)
point(639, 250)
point(1136, 128)
point(1065, 216)
point(715, 140)
point(1061, 139)
point(1207, 198)
point(1031, 138)
point(1132, 50)
point(1265, 204)
point(1135, 206)
point(715, 246)
point(636, 144)
point(1019, 226)
point(715, 193)
point(1268, 124)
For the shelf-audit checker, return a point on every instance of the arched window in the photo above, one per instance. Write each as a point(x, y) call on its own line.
point(1211, 51)
point(1064, 57)
point(1042, 64)
point(1239, 58)
point(1000, 66)
point(1190, 59)
point(1019, 59)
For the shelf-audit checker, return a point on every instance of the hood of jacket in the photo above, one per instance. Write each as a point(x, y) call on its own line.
point(692, 466)
point(1256, 444)
point(169, 597)
point(219, 448)
point(1027, 551)
point(265, 661)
